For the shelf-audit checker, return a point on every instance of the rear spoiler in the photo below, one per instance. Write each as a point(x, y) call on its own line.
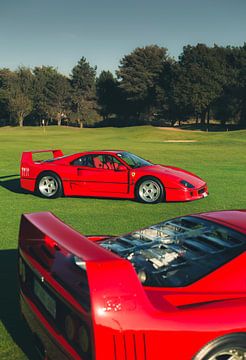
point(47, 245)
point(45, 226)
point(27, 156)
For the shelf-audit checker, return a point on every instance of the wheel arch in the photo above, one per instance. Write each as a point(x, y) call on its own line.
point(220, 342)
point(43, 173)
point(144, 177)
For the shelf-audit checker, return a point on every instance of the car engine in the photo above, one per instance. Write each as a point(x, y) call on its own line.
point(176, 252)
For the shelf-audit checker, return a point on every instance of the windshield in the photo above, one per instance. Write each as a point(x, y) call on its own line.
point(133, 161)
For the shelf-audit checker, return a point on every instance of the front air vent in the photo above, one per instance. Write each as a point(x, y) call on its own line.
point(201, 191)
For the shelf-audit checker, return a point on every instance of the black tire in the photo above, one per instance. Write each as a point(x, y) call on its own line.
point(149, 190)
point(49, 185)
point(224, 348)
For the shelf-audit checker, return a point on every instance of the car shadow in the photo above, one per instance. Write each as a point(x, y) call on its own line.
point(9, 304)
point(12, 183)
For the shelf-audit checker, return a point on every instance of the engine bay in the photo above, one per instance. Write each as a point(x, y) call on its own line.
point(177, 252)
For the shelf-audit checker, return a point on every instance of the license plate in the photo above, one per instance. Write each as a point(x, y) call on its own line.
point(205, 194)
point(47, 301)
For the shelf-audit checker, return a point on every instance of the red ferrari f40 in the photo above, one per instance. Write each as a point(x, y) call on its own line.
point(175, 290)
point(117, 174)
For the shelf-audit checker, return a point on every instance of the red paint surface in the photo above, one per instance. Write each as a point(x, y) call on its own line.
point(126, 320)
point(100, 182)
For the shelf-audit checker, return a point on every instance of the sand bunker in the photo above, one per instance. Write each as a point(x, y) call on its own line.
point(179, 141)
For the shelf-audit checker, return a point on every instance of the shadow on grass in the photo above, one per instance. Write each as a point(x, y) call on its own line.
point(11, 184)
point(9, 304)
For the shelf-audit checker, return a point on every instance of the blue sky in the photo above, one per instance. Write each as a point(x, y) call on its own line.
point(60, 32)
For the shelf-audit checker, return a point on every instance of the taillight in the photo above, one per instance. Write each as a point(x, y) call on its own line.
point(22, 270)
point(70, 327)
point(78, 334)
point(84, 341)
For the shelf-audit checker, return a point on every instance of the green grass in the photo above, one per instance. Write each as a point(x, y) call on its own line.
point(219, 158)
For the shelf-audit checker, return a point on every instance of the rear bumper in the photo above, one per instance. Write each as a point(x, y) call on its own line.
point(49, 344)
point(187, 194)
point(28, 184)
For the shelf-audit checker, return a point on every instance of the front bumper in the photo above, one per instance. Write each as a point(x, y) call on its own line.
point(186, 194)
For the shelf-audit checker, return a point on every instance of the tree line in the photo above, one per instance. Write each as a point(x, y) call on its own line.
point(150, 87)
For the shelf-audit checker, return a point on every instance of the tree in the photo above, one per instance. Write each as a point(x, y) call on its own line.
point(107, 94)
point(58, 93)
point(17, 89)
point(230, 106)
point(242, 121)
point(202, 77)
point(83, 81)
point(20, 105)
point(238, 62)
point(5, 76)
point(52, 94)
point(138, 76)
point(167, 105)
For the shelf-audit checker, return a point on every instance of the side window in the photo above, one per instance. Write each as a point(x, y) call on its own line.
point(98, 161)
point(106, 162)
point(113, 163)
point(84, 161)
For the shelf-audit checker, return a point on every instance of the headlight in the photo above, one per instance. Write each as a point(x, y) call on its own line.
point(187, 184)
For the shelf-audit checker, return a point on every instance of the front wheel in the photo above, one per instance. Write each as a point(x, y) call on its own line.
point(49, 185)
point(150, 190)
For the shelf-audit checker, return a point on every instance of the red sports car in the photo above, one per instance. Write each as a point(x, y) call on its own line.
point(175, 290)
point(118, 174)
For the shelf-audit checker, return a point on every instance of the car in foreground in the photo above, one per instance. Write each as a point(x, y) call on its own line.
point(175, 290)
point(114, 173)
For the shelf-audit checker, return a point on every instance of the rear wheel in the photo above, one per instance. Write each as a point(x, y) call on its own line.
point(231, 347)
point(150, 190)
point(49, 185)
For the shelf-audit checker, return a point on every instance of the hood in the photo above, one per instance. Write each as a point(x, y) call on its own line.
point(175, 174)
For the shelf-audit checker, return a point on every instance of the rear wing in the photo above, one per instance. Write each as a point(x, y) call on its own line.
point(92, 275)
point(27, 156)
point(46, 227)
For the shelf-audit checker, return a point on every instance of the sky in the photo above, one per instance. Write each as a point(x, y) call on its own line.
point(59, 32)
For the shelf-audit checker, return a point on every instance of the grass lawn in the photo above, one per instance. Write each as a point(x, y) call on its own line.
point(219, 158)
